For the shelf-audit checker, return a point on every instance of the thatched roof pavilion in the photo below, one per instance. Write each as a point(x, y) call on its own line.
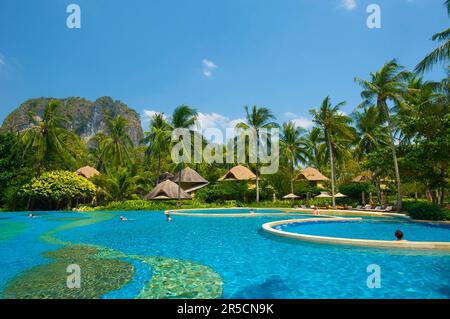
point(365, 176)
point(190, 180)
point(238, 173)
point(166, 190)
point(313, 175)
point(87, 172)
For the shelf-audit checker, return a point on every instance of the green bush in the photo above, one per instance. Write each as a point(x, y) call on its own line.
point(225, 191)
point(58, 189)
point(425, 211)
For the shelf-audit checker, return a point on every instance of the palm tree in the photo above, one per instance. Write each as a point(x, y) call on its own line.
point(158, 139)
point(116, 146)
point(48, 139)
point(183, 117)
point(316, 147)
point(387, 84)
point(441, 53)
point(370, 133)
point(257, 119)
point(293, 146)
point(120, 184)
point(334, 125)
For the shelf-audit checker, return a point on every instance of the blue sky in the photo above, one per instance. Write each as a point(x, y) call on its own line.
point(216, 56)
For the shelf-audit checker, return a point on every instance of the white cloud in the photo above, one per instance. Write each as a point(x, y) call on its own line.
point(208, 67)
point(303, 122)
point(2, 60)
point(348, 4)
point(299, 120)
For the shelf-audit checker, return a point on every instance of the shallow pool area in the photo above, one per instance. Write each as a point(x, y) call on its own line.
point(373, 229)
point(211, 258)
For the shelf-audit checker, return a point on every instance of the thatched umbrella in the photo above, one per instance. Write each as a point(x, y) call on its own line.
point(340, 195)
point(324, 195)
point(87, 172)
point(190, 180)
point(238, 173)
point(291, 196)
point(166, 190)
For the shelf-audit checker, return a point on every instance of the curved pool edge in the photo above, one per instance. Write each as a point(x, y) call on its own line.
point(418, 245)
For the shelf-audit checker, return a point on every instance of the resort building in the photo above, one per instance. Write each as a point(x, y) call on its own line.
point(314, 177)
point(167, 190)
point(240, 173)
point(190, 180)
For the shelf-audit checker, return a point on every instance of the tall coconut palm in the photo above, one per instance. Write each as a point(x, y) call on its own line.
point(369, 131)
point(334, 125)
point(257, 118)
point(48, 140)
point(293, 146)
point(116, 146)
point(316, 147)
point(183, 117)
point(387, 84)
point(442, 53)
point(158, 140)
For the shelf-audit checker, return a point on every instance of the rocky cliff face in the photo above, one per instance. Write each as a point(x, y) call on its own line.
point(86, 118)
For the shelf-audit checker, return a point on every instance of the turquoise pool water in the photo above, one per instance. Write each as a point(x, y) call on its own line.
point(235, 211)
point(372, 229)
point(250, 264)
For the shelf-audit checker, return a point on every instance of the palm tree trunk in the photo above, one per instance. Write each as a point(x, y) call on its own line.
point(292, 177)
point(397, 172)
point(332, 171)
point(257, 166)
point(158, 168)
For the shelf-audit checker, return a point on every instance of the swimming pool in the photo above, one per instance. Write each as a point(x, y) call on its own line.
point(373, 229)
point(207, 257)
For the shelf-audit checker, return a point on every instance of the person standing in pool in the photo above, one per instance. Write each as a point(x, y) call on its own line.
point(252, 211)
point(399, 234)
point(316, 212)
point(169, 219)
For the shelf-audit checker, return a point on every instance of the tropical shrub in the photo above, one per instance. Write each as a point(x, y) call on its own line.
point(425, 211)
point(354, 190)
point(58, 189)
point(223, 191)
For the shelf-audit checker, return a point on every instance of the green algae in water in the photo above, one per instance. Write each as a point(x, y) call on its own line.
point(98, 276)
point(11, 229)
point(173, 278)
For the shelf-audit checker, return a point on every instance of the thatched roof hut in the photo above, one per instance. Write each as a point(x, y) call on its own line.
point(190, 180)
point(363, 177)
point(238, 173)
point(87, 172)
point(166, 190)
point(312, 174)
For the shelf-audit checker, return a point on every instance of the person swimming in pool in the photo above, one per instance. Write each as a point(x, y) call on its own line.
point(123, 218)
point(30, 215)
point(399, 234)
point(169, 219)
